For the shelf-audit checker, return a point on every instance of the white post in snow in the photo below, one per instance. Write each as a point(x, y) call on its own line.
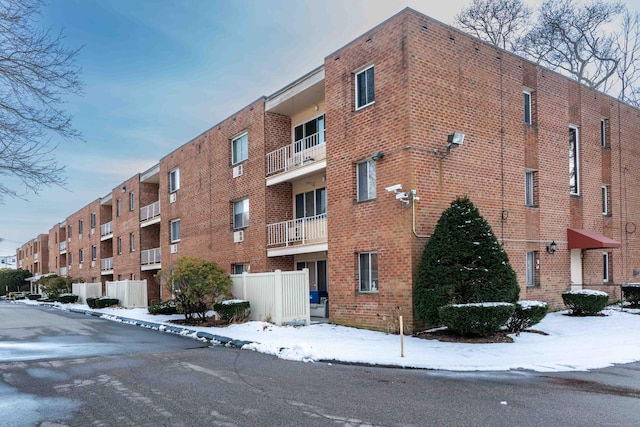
point(401, 338)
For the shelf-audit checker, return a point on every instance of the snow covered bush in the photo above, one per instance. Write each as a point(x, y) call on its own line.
point(67, 298)
point(527, 314)
point(167, 307)
point(476, 319)
point(103, 302)
point(462, 263)
point(233, 311)
point(585, 302)
point(631, 293)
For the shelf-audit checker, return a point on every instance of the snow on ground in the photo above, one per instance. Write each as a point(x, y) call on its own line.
point(572, 343)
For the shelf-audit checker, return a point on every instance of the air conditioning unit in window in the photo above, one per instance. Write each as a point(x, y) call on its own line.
point(173, 197)
point(238, 171)
point(93, 231)
point(174, 249)
point(80, 266)
point(238, 236)
point(93, 263)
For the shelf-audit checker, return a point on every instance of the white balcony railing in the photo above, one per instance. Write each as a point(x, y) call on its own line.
point(150, 256)
point(307, 150)
point(106, 229)
point(106, 264)
point(150, 211)
point(35, 257)
point(63, 271)
point(63, 246)
point(299, 231)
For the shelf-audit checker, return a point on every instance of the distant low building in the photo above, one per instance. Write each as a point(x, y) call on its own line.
point(8, 261)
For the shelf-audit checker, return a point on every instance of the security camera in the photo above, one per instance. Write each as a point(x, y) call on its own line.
point(401, 196)
point(394, 188)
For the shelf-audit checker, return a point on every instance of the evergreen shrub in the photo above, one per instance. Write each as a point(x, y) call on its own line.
point(476, 319)
point(103, 302)
point(233, 311)
point(91, 302)
point(527, 314)
point(34, 297)
point(167, 307)
point(585, 302)
point(631, 294)
point(67, 298)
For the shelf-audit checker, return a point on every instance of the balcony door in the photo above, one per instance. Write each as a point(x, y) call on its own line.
point(311, 203)
point(317, 274)
point(309, 134)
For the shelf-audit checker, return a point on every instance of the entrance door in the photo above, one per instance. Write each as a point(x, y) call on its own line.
point(317, 274)
point(576, 269)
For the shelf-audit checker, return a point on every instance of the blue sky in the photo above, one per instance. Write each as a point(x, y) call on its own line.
point(158, 73)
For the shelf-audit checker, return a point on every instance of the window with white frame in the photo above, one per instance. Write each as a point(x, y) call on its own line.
point(240, 268)
point(605, 267)
point(241, 213)
point(118, 208)
point(368, 271)
point(174, 180)
point(574, 161)
point(530, 188)
point(81, 256)
point(94, 252)
point(69, 231)
point(605, 200)
point(365, 94)
point(132, 242)
point(311, 203)
point(526, 95)
point(240, 148)
point(119, 245)
point(309, 134)
point(533, 265)
point(175, 231)
point(132, 201)
point(93, 220)
point(80, 226)
point(70, 258)
point(603, 132)
point(366, 180)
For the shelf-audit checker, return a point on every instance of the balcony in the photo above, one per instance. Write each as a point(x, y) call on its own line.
point(106, 231)
point(106, 266)
point(303, 157)
point(296, 236)
point(150, 259)
point(35, 257)
point(63, 247)
point(150, 214)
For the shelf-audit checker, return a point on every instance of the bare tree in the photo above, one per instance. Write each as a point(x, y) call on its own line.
point(628, 71)
point(36, 71)
point(573, 38)
point(499, 22)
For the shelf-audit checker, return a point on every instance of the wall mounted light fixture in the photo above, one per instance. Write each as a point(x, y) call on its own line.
point(123, 189)
point(552, 248)
point(377, 156)
point(453, 140)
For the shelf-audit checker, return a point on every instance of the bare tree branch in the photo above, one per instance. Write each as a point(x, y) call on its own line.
point(628, 71)
point(36, 72)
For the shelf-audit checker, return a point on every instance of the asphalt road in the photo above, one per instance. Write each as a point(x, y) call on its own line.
point(102, 373)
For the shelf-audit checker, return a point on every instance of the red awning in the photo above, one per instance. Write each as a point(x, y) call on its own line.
point(579, 238)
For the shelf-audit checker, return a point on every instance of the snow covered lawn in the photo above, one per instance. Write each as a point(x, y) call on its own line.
point(572, 343)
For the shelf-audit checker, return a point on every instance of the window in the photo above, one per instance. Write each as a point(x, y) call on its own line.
point(317, 274)
point(368, 269)
point(603, 132)
point(174, 180)
point(309, 134)
point(132, 242)
point(133, 276)
point(526, 95)
point(533, 264)
point(574, 167)
point(240, 149)
point(605, 267)
point(240, 268)
point(364, 88)
point(531, 188)
point(93, 220)
point(132, 201)
point(80, 227)
point(241, 214)
point(118, 208)
point(366, 178)
point(119, 245)
point(175, 231)
point(605, 200)
point(70, 258)
point(94, 252)
point(70, 230)
point(311, 203)
point(81, 256)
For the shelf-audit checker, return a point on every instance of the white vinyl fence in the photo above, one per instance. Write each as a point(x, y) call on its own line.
point(131, 293)
point(86, 290)
point(279, 297)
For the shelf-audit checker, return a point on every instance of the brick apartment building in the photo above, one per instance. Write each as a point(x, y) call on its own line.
point(299, 179)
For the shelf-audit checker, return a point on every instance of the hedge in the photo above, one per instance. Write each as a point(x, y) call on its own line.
point(527, 314)
point(631, 294)
point(476, 319)
point(232, 311)
point(67, 298)
point(167, 307)
point(584, 302)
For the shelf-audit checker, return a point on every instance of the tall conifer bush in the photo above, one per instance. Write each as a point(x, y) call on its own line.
point(462, 263)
